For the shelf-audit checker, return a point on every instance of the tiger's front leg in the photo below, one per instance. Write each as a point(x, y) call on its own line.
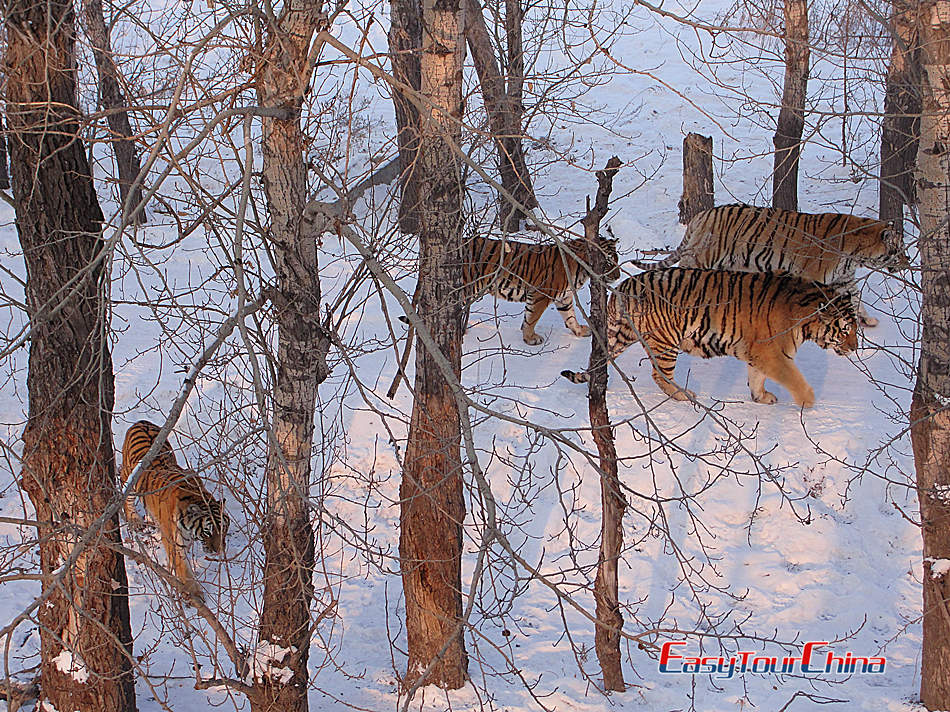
point(565, 305)
point(534, 308)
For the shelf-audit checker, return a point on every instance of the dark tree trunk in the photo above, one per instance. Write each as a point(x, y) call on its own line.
point(4, 160)
point(901, 126)
point(302, 346)
point(68, 459)
point(405, 49)
point(504, 109)
point(431, 494)
point(929, 417)
point(791, 118)
point(609, 618)
point(698, 189)
point(113, 101)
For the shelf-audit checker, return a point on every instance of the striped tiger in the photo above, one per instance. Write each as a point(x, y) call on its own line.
point(176, 499)
point(760, 318)
point(536, 274)
point(823, 247)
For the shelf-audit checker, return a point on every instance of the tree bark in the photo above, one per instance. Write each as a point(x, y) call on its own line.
point(4, 160)
point(68, 459)
point(930, 419)
point(698, 188)
point(405, 49)
point(504, 109)
point(302, 344)
point(113, 100)
point(431, 494)
point(901, 125)
point(791, 118)
point(609, 618)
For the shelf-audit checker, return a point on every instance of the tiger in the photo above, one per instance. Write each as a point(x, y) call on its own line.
point(536, 274)
point(176, 499)
point(760, 318)
point(823, 247)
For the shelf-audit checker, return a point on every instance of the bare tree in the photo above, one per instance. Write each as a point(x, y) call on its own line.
point(901, 126)
point(791, 118)
point(116, 106)
point(929, 417)
point(503, 104)
point(431, 493)
point(68, 465)
point(612, 502)
point(283, 75)
point(405, 49)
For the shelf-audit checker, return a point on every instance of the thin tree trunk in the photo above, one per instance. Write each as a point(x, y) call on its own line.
point(791, 118)
point(503, 107)
point(113, 100)
point(609, 618)
point(68, 459)
point(901, 126)
point(697, 177)
point(431, 494)
point(302, 345)
point(930, 419)
point(405, 49)
point(4, 160)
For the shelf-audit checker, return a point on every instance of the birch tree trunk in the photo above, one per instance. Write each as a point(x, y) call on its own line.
point(929, 417)
point(791, 118)
point(405, 50)
point(68, 458)
point(612, 502)
point(302, 344)
point(431, 494)
point(901, 126)
point(504, 109)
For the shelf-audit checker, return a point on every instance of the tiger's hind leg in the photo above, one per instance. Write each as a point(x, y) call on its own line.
point(565, 306)
point(663, 357)
point(534, 308)
point(757, 386)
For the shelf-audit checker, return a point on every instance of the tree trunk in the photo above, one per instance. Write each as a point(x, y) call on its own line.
point(113, 101)
point(609, 619)
point(431, 494)
point(698, 189)
point(302, 345)
point(68, 459)
point(503, 107)
point(4, 175)
point(901, 126)
point(791, 118)
point(405, 49)
point(930, 420)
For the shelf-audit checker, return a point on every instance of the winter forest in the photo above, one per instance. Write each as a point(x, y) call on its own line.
point(475, 355)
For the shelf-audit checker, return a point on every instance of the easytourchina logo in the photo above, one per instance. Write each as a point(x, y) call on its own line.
point(747, 661)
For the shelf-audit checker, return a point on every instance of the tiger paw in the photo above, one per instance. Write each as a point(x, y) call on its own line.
point(533, 339)
point(765, 397)
point(581, 330)
point(869, 321)
point(684, 394)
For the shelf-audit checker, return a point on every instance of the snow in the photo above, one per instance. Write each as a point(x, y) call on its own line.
point(72, 665)
point(749, 526)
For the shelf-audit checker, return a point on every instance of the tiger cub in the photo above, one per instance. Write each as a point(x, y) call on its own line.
point(536, 274)
point(823, 247)
point(176, 499)
point(761, 318)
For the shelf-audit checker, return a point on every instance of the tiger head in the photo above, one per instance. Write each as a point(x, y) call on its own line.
point(834, 324)
point(879, 245)
point(211, 522)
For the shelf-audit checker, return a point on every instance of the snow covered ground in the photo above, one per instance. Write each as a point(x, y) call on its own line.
point(750, 527)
